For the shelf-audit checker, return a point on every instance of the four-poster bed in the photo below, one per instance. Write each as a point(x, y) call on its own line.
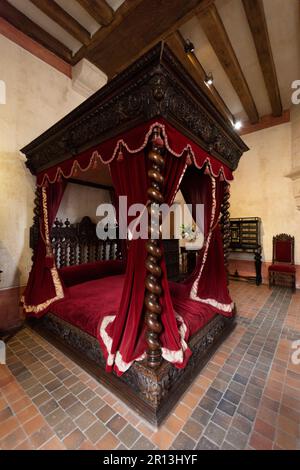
point(142, 335)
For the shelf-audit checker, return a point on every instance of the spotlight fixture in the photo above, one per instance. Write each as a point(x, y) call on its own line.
point(209, 79)
point(237, 125)
point(188, 47)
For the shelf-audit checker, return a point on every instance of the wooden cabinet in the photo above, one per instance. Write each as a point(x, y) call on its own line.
point(245, 237)
point(245, 234)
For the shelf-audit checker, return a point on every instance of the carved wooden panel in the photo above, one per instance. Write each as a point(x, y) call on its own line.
point(156, 85)
point(151, 392)
point(78, 243)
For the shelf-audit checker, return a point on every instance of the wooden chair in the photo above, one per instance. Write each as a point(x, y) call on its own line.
point(283, 271)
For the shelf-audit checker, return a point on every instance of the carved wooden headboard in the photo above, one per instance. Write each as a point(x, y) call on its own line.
point(78, 243)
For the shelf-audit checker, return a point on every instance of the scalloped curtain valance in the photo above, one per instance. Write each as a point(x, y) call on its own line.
point(134, 141)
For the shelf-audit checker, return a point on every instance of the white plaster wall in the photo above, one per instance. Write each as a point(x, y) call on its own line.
point(261, 189)
point(79, 201)
point(295, 125)
point(37, 96)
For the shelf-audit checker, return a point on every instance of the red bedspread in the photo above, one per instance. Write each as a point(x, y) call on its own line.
point(195, 314)
point(86, 304)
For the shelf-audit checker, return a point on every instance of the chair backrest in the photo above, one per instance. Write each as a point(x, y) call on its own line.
point(283, 248)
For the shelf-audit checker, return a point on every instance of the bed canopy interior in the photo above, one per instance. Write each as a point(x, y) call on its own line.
point(99, 174)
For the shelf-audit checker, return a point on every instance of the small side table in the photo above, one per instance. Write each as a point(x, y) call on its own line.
point(7, 333)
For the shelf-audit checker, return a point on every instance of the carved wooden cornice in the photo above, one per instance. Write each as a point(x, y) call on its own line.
point(156, 85)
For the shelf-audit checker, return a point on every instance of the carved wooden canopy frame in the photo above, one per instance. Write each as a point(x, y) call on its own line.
point(156, 85)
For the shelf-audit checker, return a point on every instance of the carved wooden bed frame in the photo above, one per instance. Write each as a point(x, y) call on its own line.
point(78, 243)
point(155, 85)
point(150, 392)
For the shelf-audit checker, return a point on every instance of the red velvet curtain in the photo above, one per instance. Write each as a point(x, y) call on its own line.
point(123, 337)
point(208, 282)
point(135, 140)
point(122, 242)
point(44, 286)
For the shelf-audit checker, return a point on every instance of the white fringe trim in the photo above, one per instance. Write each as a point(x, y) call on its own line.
point(177, 356)
point(119, 145)
point(107, 340)
point(216, 304)
point(167, 354)
point(194, 289)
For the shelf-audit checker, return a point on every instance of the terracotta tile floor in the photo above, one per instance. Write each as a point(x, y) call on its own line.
point(247, 397)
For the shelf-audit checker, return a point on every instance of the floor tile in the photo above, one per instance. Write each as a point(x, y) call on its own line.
point(247, 397)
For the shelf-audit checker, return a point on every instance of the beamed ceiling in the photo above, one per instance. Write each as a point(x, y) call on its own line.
point(252, 47)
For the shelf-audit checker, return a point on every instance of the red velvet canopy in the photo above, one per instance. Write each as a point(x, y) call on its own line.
point(134, 141)
point(122, 336)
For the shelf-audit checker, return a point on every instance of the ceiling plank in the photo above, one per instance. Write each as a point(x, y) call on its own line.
point(61, 17)
point(214, 29)
point(257, 21)
point(105, 31)
point(265, 122)
point(31, 29)
point(99, 10)
point(138, 24)
point(189, 60)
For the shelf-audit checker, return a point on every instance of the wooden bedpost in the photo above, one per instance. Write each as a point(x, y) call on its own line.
point(225, 222)
point(154, 253)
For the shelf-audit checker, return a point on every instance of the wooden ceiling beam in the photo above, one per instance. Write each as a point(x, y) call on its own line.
point(136, 27)
point(31, 29)
point(265, 122)
point(100, 36)
point(63, 19)
point(189, 60)
point(214, 29)
point(257, 21)
point(99, 10)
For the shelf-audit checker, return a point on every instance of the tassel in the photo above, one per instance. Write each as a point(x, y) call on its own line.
point(95, 163)
point(49, 260)
point(75, 169)
point(157, 139)
point(120, 154)
point(207, 169)
point(189, 160)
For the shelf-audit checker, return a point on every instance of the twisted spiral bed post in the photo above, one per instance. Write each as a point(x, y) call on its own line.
point(225, 222)
point(153, 287)
point(34, 231)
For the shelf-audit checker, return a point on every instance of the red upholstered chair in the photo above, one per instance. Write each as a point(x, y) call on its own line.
point(283, 271)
